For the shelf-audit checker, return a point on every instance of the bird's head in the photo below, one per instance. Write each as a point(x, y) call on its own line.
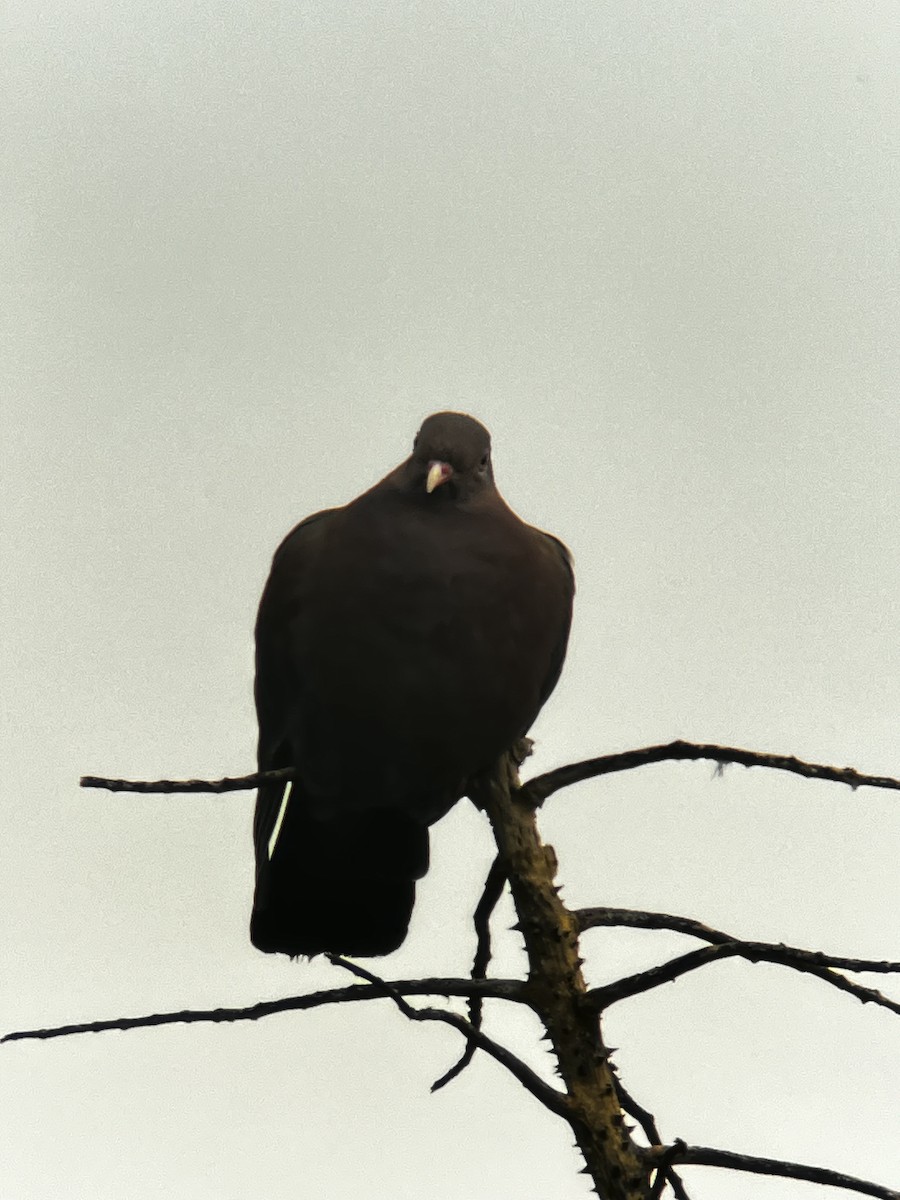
point(451, 458)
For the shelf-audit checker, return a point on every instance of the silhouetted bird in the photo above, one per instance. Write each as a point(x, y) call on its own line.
point(403, 643)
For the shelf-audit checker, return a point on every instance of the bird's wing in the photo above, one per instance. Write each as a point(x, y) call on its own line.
point(273, 688)
point(563, 566)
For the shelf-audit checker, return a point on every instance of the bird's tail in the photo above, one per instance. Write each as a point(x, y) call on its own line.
point(345, 885)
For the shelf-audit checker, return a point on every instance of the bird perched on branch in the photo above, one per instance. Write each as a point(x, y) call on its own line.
point(403, 643)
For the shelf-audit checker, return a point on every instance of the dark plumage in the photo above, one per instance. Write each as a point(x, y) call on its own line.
point(403, 643)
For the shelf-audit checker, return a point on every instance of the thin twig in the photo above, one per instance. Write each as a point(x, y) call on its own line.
point(645, 981)
point(499, 989)
point(593, 918)
point(665, 1173)
point(538, 789)
point(493, 890)
point(556, 1102)
point(706, 1156)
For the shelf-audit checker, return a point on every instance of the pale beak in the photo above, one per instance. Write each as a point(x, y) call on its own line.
point(438, 473)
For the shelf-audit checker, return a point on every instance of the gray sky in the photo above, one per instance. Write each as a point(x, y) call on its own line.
point(246, 249)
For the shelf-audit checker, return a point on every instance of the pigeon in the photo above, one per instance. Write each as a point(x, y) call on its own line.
point(404, 642)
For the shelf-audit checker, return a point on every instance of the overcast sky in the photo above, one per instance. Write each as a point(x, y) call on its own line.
point(246, 249)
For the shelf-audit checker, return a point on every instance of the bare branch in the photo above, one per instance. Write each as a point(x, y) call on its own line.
point(493, 890)
point(556, 1102)
point(593, 918)
point(664, 1171)
point(499, 989)
point(538, 789)
point(237, 783)
point(595, 1099)
point(705, 1156)
point(645, 981)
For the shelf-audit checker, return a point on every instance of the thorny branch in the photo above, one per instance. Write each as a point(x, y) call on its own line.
point(658, 1159)
point(556, 991)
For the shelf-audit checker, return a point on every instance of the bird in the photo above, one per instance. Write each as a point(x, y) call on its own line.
point(404, 642)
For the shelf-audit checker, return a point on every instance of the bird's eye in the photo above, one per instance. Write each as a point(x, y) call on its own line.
point(484, 461)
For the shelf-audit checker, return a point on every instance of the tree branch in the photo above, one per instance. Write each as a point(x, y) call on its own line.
point(236, 783)
point(593, 918)
point(537, 790)
point(665, 1173)
point(556, 1102)
point(645, 981)
point(705, 1156)
point(499, 989)
point(493, 890)
point(556, 991)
